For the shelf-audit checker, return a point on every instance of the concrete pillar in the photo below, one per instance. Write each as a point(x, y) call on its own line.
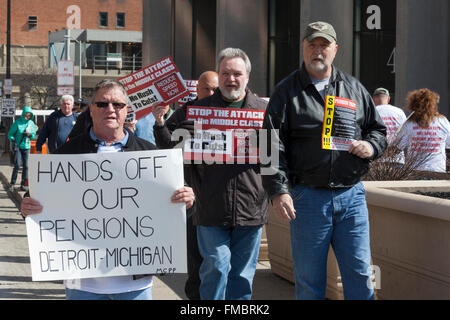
point(340, 15)
point(422, 50)
point(244, 25)
point(156, 30)
point(182, 51)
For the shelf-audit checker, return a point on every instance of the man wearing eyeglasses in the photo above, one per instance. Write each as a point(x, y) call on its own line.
point(107, 134)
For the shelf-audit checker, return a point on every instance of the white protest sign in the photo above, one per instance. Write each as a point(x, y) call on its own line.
point(223, 134)
point(106, 214)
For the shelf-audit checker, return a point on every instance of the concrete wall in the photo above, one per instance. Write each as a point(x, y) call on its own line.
point(156, 30)
point(422, 52)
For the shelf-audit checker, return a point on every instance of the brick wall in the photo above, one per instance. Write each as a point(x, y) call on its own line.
point(52, 15)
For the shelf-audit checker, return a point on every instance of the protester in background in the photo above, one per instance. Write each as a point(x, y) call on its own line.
point(393, 118)
point(426, 134)
point(80, 105)
point(107, 134)
point(319, 190)
point(82, 125)
point(58, 126)
point(144, 126)
point(20, 134)
point(231, 205)
point(207, 83)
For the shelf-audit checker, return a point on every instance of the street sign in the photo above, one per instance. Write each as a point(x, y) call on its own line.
point(7, 87)
point(114, 57)
point(8, 108)
point(66, 90)
point(65, 73)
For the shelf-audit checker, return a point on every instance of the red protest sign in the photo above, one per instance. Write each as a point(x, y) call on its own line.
point(160, 81)
point(192, 87)
point(224, 135)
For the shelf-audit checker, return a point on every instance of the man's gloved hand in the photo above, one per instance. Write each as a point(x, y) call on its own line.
point(26, 134)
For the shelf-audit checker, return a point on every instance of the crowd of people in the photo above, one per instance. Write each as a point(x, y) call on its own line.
point(319, 191)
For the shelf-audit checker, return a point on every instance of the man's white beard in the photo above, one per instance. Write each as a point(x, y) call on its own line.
point(233, 94)
point(318, 66)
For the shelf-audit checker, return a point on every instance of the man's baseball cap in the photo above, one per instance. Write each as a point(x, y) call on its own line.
point(381, 91)
point(320, 29)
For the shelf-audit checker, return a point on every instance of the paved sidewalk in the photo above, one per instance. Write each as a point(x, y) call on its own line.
point(15, 270)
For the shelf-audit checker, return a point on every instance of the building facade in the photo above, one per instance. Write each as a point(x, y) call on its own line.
point(401, 45)
point(106, 31)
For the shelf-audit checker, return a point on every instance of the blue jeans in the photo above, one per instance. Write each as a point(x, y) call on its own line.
point(338, 217)
point(229, 262)
point(73, 294)
point(21, 157)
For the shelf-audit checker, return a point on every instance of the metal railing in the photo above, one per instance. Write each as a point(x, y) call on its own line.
point(132, 63)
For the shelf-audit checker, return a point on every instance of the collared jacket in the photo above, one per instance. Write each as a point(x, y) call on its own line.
point(50, 131)
point(227, 195)
point(296, 110)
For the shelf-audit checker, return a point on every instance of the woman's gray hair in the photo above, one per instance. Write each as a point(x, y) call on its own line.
point(67, 97)
point(234, 53)
point(108, 84)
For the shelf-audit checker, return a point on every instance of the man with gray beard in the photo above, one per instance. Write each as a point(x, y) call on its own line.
point(318, 189)
point(231, 204)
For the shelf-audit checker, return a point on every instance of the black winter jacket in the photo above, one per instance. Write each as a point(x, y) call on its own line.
point(296, 109)
point(227, 195)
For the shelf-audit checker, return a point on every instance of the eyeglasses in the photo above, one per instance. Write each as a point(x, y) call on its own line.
point(105, 104)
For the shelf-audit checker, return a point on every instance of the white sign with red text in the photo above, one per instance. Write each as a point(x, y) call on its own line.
point(224, 134)
point(160, 81)
point(65, 75)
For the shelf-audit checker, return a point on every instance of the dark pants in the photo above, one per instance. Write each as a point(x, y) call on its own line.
point(21, 157)
point(194, 261)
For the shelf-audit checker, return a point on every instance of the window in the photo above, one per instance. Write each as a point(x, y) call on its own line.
point(120, 19)
point(374, 44)
point(284, 40)
point(32, 22)
point(103, 19)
